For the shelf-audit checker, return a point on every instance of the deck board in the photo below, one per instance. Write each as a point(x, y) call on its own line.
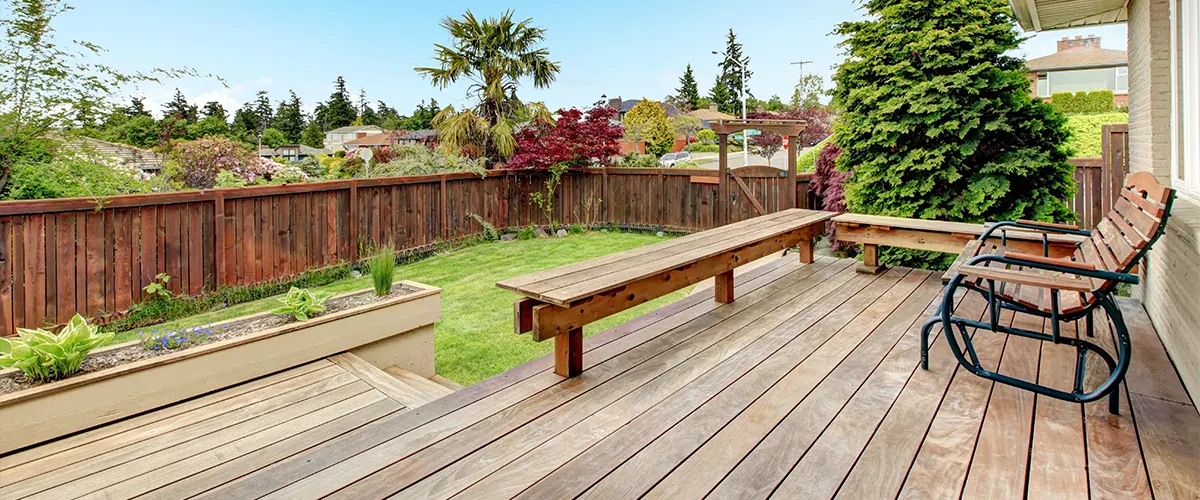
point(806, 386)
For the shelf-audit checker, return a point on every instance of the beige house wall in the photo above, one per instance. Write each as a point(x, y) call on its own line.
point(1171, 276)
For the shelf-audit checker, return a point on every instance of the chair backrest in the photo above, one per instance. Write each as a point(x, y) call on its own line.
point(1137, 220)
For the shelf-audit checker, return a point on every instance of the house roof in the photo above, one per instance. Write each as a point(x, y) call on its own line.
point(1079, 57)
point(359, 128)
point(127, 155)
point(304, 150)
point(420, 135)
point(1043, 15)
point(387, 138)
point(710, 115)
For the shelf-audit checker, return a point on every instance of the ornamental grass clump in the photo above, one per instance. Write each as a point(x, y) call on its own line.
point(45, 356)
point(303, 303)
point(382, 265)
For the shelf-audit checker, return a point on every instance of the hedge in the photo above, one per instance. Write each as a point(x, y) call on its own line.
point(1096, 101)
point(1085, 132)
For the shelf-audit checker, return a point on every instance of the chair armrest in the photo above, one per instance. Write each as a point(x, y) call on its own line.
point(1048, 225)
point(1027, 278)
point(1033, 228)
point(1083, 266)
point(1042, 264)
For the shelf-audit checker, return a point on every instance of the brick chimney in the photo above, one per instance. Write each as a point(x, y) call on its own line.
point(615, 103)
point(712, 107)
point(1092, 41)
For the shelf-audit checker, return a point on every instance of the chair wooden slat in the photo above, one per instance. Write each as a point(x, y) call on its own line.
point(1143, 182)
point(1135, 238)
point(1105, 254)
point(1137, 218)
point(1147, 206)
point(1016, 277)
point(1116, 242)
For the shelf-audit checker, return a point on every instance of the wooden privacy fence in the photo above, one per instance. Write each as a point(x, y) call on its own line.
point(59, 257)
point(1098, 181)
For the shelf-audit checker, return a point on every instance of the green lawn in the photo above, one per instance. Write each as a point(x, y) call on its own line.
point(475, 338)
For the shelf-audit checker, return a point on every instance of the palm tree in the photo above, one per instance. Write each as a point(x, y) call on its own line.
point(494, 54)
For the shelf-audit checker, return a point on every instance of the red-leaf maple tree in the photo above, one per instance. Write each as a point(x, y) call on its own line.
point(577, 139)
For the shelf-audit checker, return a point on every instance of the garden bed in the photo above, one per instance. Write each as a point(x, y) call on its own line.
point(126, 379)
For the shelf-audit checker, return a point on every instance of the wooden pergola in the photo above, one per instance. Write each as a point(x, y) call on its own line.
point(787, 128)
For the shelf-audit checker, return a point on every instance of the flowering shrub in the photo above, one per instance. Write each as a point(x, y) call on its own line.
point(199, 161)
point(828, 183)
point(576, 139)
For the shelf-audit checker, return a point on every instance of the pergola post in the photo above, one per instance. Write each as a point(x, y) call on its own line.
point(790, 196)
point(723, 180)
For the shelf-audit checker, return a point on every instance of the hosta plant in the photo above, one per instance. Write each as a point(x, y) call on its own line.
point(303, 303)
point(45, 356)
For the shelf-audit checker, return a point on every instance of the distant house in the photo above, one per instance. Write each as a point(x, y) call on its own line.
point(1080, 65)
point(291, 152)
point(387, 138)
point(426, 137)
point(338, 136)
point(710, 115)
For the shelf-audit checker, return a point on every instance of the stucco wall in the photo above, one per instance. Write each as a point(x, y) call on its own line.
point(1171, 276)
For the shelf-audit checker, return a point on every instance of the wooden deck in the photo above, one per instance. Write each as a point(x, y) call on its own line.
point(806, 386)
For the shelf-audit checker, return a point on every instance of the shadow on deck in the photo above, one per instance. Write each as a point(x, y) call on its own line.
point(806, 386)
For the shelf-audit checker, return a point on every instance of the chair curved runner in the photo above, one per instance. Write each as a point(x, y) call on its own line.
point(1058, 289)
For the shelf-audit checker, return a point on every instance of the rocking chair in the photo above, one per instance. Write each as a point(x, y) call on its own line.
point(1063, 289)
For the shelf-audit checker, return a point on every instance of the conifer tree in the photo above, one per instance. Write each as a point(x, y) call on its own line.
point(289, 119)
point(687, 91)
point(338, 111)
point(937, 122)
point(731, 75)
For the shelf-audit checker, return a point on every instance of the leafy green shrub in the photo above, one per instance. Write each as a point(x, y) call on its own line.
point(71, 176)
point(576, 229)
point(634, 160)
point(526, 233)
point(807, 162)
point(702, 147)
point(707, 136)
point(227, 179)
point(490, 233)
point(311, 166)
point(419, 160)
point(942, 127)
point(302, 303)
point(382, 266)
point(44, 356)
point(1096, 101)
point(689, 164)
point(1086, 131)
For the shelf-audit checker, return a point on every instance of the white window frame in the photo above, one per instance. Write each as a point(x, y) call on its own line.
point(1122, 71)
point(1037, 84)
point(1185, 116)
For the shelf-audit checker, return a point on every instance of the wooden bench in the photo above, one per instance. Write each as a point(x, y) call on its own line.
point(559, 302)
point(939, 236)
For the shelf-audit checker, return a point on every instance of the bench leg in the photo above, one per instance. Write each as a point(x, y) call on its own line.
point(806, 249)
point(568, 353)
point(870, 263)
point(724, 287)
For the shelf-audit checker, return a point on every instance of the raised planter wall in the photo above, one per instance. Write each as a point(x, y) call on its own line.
point(397, 330)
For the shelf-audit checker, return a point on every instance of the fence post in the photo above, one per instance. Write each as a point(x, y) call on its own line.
point(722, 205)
point(445, 210)
point(219, 238)
point(353, 220)
point(604, 193)
point(790, 197)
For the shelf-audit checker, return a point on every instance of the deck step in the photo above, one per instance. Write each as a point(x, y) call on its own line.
point(426, 388)
point(447, 383)
point(408, 391)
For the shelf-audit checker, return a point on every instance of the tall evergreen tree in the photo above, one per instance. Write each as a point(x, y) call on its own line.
point(687, 91)
point(289, 118)
point(338, 111)
point(137, 107)
point(214, 109)
point(246, 123)
point(262, 107)
point(179, 108)
point(312, 135)
point(731, 74)
point(937, 122)
point(719, 95)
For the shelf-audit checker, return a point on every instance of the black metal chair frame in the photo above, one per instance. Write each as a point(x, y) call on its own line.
point(955, 327)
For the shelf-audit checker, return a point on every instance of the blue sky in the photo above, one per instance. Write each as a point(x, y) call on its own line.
point(619, 47)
